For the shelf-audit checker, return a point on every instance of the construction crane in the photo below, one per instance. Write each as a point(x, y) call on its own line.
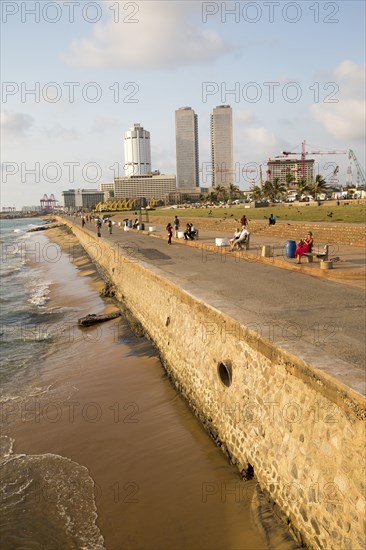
point(304, 153)
point(360, 174)
point(332, 179)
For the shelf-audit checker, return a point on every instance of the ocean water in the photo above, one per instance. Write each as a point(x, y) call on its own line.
point(97, 449)
point(30, 333)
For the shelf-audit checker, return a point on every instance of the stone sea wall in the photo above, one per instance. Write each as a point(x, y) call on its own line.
point(298, 429)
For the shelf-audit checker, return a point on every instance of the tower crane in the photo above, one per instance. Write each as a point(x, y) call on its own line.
point(304, 153)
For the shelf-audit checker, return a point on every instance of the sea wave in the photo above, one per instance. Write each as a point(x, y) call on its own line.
point(51, 497)
point(40, 293)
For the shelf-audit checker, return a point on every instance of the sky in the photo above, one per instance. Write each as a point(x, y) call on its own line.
point(77, 74)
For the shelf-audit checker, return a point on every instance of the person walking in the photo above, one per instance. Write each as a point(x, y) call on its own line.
point(244, 221)
point(99, 227)
point(110, 225)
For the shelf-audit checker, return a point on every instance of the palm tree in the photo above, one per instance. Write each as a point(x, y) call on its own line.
point(256, 192)
point(267, 189)
point(221, 192)
point(290, 178)
point(274, 189)
point(319, 185)
point(278, 187)
point(212, 196)
point(234, 191)
point(303, 186)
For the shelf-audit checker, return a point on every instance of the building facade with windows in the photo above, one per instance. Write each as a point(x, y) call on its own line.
point(149, 186)
point(222, 153)
point(187, 155)
point(137, 151)
point(107, 189)
point(280, 167)
point(77, 199)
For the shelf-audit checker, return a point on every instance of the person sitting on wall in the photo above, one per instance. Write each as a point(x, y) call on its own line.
point(236, 236)
point(192, 232)
point(244, 236)
point(189, 232)
point(304, 246)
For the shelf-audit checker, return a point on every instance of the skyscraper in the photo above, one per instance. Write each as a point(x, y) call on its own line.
point(222, 156)
point(137, 151)
point(186, 136)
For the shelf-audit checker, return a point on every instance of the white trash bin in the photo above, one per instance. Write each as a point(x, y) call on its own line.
point(221, 242)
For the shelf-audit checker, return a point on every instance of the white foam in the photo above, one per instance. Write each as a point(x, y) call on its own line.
point(39, 294)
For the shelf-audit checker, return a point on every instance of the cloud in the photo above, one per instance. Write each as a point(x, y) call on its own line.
point(245, 117)
point(104, 123)
point(259, 142)
point(59, 132)
point(164, 36)
point(15, 125)
point(344, 119)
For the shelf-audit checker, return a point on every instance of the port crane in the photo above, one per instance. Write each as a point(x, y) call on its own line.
point(360, 174)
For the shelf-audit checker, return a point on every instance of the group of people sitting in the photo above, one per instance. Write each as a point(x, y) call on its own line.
point(190, 232)
point(240, 236)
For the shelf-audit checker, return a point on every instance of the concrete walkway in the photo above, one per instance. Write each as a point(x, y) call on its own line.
point(349, 262)
point(297, 307)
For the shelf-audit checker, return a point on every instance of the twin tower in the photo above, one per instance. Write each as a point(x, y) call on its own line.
point(138, 151)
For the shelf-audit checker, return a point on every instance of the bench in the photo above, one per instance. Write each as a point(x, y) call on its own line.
point(242, 245)
point(319, 255)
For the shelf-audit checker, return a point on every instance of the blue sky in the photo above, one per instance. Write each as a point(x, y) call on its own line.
point(291, 71)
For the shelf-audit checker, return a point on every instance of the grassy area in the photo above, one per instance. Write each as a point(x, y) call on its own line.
point(328, 211)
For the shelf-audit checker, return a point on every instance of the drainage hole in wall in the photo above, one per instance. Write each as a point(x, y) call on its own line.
point(225, 373)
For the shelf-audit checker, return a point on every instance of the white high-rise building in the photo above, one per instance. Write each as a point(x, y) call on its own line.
point(222, 155)
point(137, 151)
point(186, 136)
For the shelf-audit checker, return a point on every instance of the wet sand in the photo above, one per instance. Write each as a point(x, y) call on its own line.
point(160, 481)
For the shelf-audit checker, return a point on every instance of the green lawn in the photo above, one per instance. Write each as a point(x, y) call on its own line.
point(328, 211)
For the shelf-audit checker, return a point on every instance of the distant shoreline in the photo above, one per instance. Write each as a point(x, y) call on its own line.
point(20, 215)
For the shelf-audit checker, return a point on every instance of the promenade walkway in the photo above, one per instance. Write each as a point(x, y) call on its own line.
point(297, 307)
point(349, 262)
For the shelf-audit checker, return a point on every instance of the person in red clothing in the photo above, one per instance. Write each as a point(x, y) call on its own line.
point(244, 221)
point(169, 229)
point(304, 246)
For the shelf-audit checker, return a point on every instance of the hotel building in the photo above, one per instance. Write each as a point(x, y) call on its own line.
point(137, 151)
point(186, 136)
point(222, 155)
